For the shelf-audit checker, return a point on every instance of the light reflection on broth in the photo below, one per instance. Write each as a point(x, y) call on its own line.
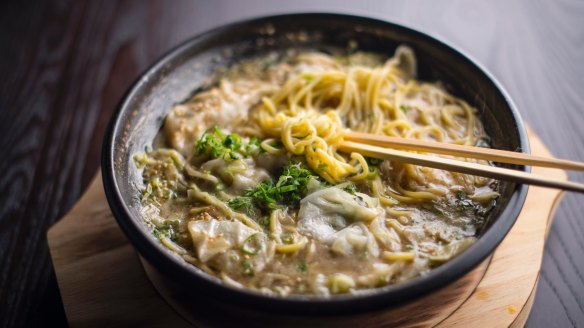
point(245, 181)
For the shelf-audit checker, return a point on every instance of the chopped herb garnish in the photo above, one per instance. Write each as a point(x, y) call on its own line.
point(302, 267)
point(140, 159)
point(371, 161)
point(252, 244)
point(373, 172)
point(253, 147)
point(156, 182)
point(294, 179)
point(265, 222)
point(351, 188)
point(404, 108)
point(232, 141)
point(147, 192)
point(265, 195)
point(287, 190)
point(248, 268)
point(373, 164)
point(322, 167)
point(157, 188)
point(216, 144)
point(169, 194)
point(244, 204)
point(168, 230)
point(287, 238)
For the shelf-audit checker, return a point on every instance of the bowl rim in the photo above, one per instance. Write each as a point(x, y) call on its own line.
point(382, 297)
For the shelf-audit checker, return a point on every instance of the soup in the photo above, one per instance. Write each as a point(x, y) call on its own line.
point(246, 180)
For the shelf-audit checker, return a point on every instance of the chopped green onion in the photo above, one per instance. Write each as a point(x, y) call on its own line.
point(373, 173)
point(168, 230)
point(248, 269)
point(265, 221)
point(302, 267)
point(289, 189)
point(146, 193)
point(140, 159)
point(215, 144)
point(351, 188)
point(252, 245)
point(287, 238)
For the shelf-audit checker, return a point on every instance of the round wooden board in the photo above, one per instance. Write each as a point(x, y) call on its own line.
point(102, 282)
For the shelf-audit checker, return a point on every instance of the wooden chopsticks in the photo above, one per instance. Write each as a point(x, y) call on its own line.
point(375, 146)
point(489, 154)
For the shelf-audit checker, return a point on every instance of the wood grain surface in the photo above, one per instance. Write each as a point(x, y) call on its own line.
point(65, 64)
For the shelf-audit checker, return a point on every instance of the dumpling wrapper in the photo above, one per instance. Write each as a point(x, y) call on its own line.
point(327, 211)
point(355, 240)
point(213, 237)
point(218, 244)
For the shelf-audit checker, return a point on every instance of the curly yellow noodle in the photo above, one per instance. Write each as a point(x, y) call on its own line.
point(311, 111)
point(364, 167)
point(266, 146)
point(377, 191)
point(398, 213)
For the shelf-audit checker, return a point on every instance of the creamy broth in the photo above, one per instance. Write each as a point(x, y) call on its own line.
point(246, 180)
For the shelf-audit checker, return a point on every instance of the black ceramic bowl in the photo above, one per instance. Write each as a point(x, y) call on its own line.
point(174, 77)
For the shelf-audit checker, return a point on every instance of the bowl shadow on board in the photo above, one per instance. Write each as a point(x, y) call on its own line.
point(189, 67)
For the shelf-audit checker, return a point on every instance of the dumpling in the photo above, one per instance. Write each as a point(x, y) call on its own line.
point(327, 211)
point(355, 240)
point(239, 175)
point(212, 237)
point(219, 244)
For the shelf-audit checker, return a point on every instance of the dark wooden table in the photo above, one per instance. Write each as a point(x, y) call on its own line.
point(65, 64)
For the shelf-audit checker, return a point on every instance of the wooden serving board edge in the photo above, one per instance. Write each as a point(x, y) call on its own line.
point(102, 281)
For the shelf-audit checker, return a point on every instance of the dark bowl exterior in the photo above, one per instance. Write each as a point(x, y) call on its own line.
point(171, 80)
